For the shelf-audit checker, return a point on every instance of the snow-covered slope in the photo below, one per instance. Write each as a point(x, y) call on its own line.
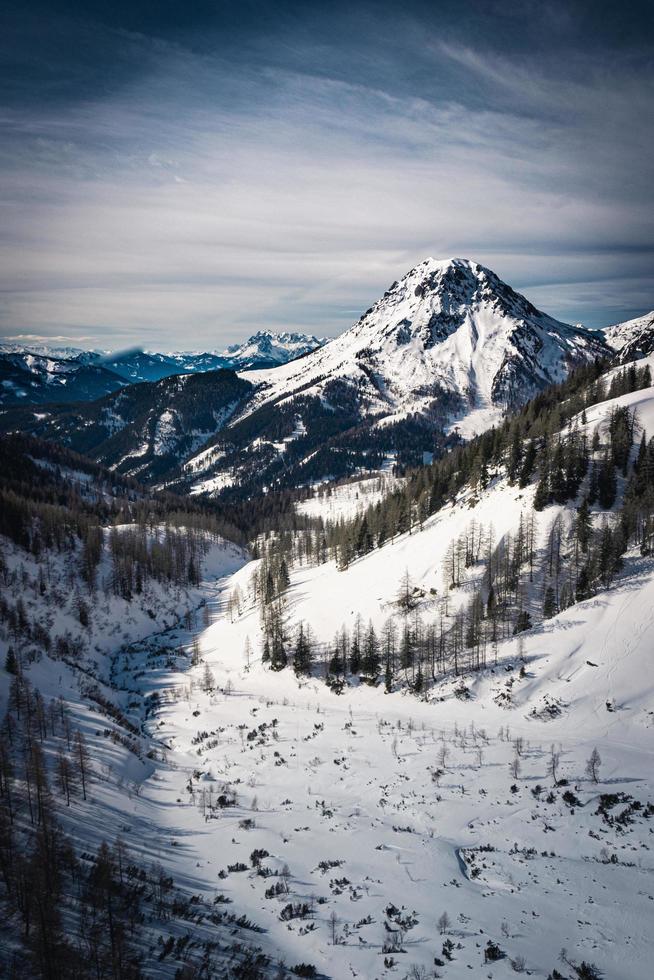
point(633, 338)
point(340, 791)
point(27, 377)
point(416, 808)
point(146, 429)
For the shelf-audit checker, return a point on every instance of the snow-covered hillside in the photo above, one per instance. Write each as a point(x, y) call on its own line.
point(28, 377)
point(388, 812)
point(633, 338)
point(333, 503)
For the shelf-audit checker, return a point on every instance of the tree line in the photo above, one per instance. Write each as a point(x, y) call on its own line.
point(567, 463)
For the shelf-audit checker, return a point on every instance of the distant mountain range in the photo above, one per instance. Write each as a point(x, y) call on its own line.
point(29, 378)
point(41, 374)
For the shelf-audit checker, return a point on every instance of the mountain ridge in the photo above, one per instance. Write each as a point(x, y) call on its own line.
point(444, 353)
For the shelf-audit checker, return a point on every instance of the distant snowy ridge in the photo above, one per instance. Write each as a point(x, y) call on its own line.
point(268, 346)
point(265, 347)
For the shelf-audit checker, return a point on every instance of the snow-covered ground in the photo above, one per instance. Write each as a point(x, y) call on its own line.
point(340, 790)
point(346, 500)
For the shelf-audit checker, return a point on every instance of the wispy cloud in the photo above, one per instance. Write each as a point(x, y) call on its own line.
point(204, 199)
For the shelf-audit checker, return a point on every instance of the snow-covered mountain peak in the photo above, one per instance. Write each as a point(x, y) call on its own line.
point(434, 299)
point(448, 335)
point(268, 346)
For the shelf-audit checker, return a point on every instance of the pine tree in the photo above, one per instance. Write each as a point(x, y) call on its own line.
point(283, 579)
point(528, 464)
point(583, 589)
point(303, 652)
point(515, 456)
point(371, 658)
point(593, 484)
point(542, 495)
point(388, 676)
point(583, 525)
point(549, 603)
point(606, 482)
point(11, 662)
point(522, 623)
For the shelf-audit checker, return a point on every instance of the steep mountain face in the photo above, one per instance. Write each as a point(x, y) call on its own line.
point(447, 349)
point(632, 339)
point(145, 429)
point(30, 378)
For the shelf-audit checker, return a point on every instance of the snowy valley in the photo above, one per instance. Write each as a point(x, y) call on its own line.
point(399, 725)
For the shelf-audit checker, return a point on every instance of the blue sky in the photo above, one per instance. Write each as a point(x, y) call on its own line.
point(182, 175)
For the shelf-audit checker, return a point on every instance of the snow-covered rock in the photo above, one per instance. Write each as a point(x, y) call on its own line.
point(632, 339)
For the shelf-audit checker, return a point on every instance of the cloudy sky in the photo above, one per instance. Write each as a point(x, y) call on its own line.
point(182, 174)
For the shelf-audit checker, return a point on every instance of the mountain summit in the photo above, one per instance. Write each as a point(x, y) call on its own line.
point(449, 335)
point(268, 349)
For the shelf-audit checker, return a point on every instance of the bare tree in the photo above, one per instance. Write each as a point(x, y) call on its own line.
point(553, 764)
point(444, 923)
point(65, 775)
point(333, 925)
point(593, 765)
point(208, 679)
point(82, 759)
point(514, 767)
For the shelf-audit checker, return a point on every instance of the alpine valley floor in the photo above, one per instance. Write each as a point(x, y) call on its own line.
point(337, 802)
